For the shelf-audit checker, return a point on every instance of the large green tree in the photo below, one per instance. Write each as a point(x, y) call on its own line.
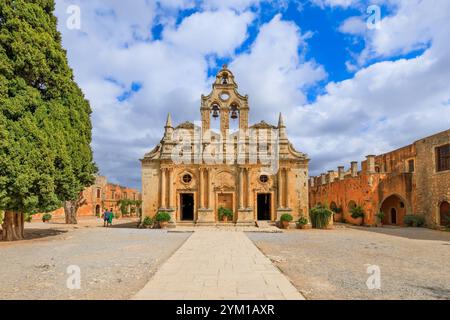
point(45, 129)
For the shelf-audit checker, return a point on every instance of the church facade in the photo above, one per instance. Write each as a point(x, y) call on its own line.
point(252, 170)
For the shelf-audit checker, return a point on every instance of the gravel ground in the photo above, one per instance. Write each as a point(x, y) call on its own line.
point(332, 264)
point(115, 263)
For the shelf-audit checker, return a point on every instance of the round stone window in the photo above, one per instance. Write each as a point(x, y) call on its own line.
point(264, 178)
point(224, 96)
point(187, 178)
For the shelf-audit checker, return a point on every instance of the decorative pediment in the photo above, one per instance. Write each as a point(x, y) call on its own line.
point(263, 125)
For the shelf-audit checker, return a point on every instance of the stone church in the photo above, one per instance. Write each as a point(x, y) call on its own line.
point(198, 168)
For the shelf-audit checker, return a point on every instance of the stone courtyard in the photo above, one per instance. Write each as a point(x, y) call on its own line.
point(128, 263)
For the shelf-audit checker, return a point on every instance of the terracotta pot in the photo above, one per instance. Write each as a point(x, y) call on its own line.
point(358, 221)
point(225, 218)
point(337, 217)
point(285, 224)
point(163, 224)
point(301, 226)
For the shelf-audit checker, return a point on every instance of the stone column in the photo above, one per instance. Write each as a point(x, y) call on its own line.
point(280, 189)
point(247, 191)
point(330, 176)
point(341, 172)
point(163, 188)
point(208, 194)
point(200, 189)
point(170, 196)
point(287, 188)
point(241, 188)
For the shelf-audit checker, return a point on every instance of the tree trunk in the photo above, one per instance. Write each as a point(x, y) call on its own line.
point(70, 212)
point(13, 226)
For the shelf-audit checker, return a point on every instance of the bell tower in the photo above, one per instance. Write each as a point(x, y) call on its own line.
point(224, 103)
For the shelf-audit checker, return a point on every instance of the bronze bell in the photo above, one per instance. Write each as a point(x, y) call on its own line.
point(215, 110)
point(234, 114)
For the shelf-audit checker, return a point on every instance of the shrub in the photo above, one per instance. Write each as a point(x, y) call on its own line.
point(1, 217)
point(225, 212)
point(286, 217)
point(320, 217)
point(380, 215)
point(148, 221)
point(28, 217)
point(357, 212)
point(162, 216)
point(302, 221)
point(46, 217)
point(414, 221)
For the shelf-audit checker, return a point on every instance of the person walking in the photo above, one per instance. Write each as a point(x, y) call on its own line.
point(110, 218)
point(105, 218)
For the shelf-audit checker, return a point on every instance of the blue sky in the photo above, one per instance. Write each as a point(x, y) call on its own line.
point(346, 90)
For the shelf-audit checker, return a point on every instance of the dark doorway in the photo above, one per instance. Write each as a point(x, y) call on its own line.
point(187, 206)
point(264, 206)
point(444, 210)
point(393, 216)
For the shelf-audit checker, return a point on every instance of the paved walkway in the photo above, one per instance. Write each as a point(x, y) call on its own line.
point(218, 265)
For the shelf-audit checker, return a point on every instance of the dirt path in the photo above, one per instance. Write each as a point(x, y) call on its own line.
point(115, 263)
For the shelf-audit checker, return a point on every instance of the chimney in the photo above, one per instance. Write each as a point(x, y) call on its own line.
point(330, 176)
point(354, 168)
point(370, 164)
point(341, 172)
point(323, 179)
point(311, 182)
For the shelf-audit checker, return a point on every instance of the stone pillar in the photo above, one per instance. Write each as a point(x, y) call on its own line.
point(163, 188)
point(241, 188)
point(280, 189)
point(370, 164)
point(323, 178)
point(287, 188)
point(170, 195)
point(201, 188)
point(354, 168)
point(341, 172)
point(247, 191)
point(208, 193)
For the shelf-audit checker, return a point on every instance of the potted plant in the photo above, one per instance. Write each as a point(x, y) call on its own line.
point(163, 219)
point(46, 217)
point(302, 222)
point(320, 217)
point(147, 223)
point(225, 214)
point(285, 219)
point(380, 216)
point(337, 214)
point(357, 213)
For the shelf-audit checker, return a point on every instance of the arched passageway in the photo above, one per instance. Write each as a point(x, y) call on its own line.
point(394, 209)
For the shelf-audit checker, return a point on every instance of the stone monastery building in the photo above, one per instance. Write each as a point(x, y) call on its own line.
point(195, 170)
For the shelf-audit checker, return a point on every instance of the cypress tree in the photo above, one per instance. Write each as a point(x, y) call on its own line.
point(45, 128)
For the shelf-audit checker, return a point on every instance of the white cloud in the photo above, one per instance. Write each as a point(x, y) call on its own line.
point(273, 73)
point(207, 32)
point(388, 104)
